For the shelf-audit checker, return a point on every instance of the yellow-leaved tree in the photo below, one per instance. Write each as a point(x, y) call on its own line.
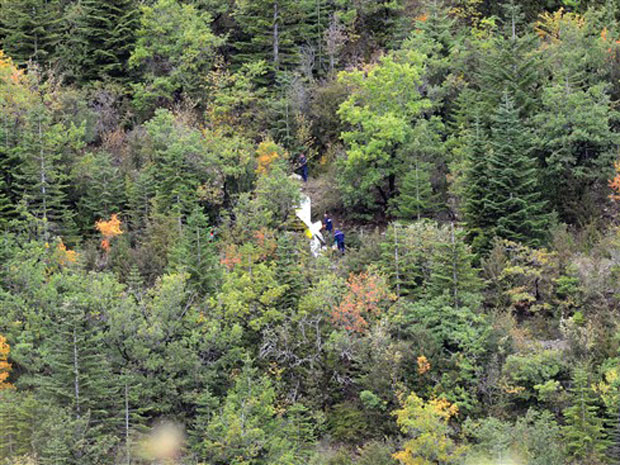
point(267, 153)
point(5, 366)
point(427, 424)
point(108, 230)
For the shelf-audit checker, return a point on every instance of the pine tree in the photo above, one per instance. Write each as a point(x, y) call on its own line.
point(195, 253)
point(510, 65)
point(290, 272)
point(513, 199)
point(97, 189)
point(177, 150)
point(8, 165)
point(613, 451)
point(42, 177)
point(30, 29)
point(436, 36)
point(452, 272)
point(416, 192)
point(99, 37)
point(175, 49)
point(19, 416)
point(584, 431)
point(141, 190)
point(273, 30)
point(77, 374)
point(475, 208)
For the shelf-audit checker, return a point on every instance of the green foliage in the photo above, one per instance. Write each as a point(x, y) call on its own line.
point(475, 124)
point(347, 423)
point(249, 430)
point(98, 39)
point(98, 186)
point(527, 439)
point(42, 175)
point(174, 51)
point(578, 148)
point(383, 101)
point(195, 253)
point(514, 199)
point(415, 192)
point(273, 30)
point(426, 423)
point(584, 432)
point(176, 163)
point(535, 375)
point(30, 29)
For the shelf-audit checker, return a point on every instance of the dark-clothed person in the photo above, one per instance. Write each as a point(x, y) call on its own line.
point(303, 163)
point(339, 238)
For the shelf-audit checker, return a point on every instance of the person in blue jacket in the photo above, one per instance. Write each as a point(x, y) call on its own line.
point(303, 163)
point(328, 227)
point(339, 238)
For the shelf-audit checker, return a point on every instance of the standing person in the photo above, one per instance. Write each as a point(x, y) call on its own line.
point(303, 163)
point(339, 238)
point(328, 226)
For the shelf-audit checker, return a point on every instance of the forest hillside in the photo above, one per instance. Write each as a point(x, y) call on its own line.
point(451, 295)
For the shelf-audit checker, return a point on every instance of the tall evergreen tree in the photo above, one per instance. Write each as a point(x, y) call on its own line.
point(30, 29)
point(141, 190)
point(416, 192)
point(513, 199)
point(510, 64)
point(273, 30)
point(8, 165)
point(452, 273)
point(98, 38)
point(196, 254)
point(584, 430)
point(97, 189)
point(174, 51)
point(43, 173)
point(77, 374)
point(476, 188)
point(177, 163)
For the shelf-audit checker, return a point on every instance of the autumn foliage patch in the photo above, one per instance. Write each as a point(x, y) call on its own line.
point(366, 296)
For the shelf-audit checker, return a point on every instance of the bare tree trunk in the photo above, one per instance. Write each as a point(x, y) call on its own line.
point(319, 34)
point(454, 271)
point(276, 35)
point(76, 373)
point(396, 259)
point(417, 188)
point(43, 183)
point(127, 447)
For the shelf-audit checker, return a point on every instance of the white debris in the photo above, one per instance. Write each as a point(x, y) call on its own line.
point(304, 213)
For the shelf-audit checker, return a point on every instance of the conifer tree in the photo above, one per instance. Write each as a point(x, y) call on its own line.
point(177, 150)
point(288, 261)
point(584, 430)
point(140, 193)
point(174, 51)
point(475, 208)
point(613, 451)
point(99, 37)
point(452, 273)
point(30, 29)
point(43, 175)
point(273, 30)
point(513, 199)
point(195, 253)
point(97, 187)
point(416, 192)
point(510, 65)
point(8, 165)
point(18, 418)
point(78, 376)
